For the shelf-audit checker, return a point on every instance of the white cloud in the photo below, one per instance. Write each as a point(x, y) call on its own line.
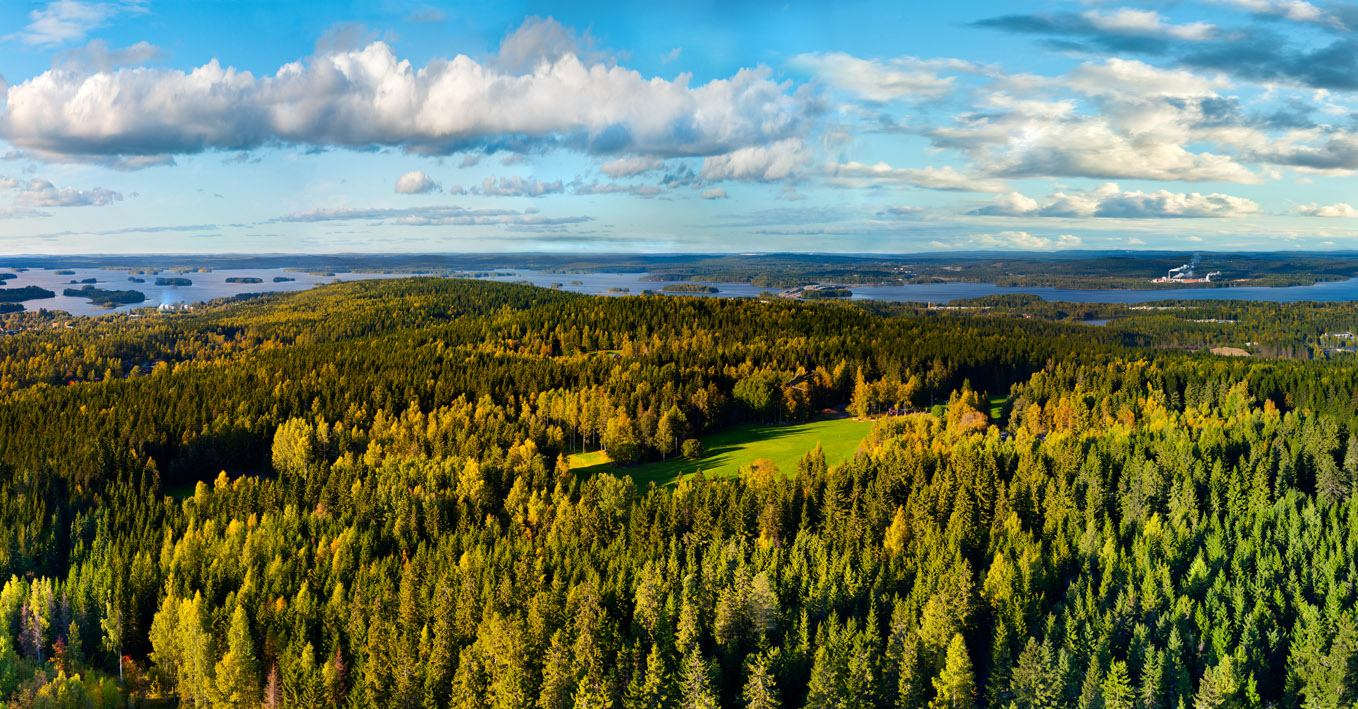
point(41, 193)
point(671, 55)
point(1109, 201)
point(597, 187)
point(96, 56)
point(883, 79)
point(416, 182)
point(1111, 119)
point(1150, 143)
point(1340, 210)
point(714, 193)
point(946, 178)
point(631, 166)
point(777, 161)
point(540, 42)
point(1141, 80)
point(1147, 23)
point(517, 187)
point(1021, 240)
point(63, 21)
point(1295, 10)
point(369, 97)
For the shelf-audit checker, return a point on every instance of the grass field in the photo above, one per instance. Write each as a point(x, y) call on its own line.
point(727, 451)
point(997, 407)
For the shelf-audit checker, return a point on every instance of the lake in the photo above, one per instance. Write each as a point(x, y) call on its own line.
point(208, 286)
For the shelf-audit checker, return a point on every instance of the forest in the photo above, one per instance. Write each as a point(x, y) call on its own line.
point(360, 495)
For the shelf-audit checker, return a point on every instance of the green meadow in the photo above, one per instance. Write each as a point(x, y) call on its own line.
point(724, 453)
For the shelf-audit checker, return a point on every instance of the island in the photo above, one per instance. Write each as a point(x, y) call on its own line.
point(84, 280)
point(173, 282)
point(7, 276)
point(825, 293)
point(63, 273)
point(244, 279)
point(616, 289)
point(106, 298)
point(689, 288)
point(283, 279)
point(15, 295)
point(134, 279)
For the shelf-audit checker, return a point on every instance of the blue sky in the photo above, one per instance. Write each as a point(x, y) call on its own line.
point(253, 126)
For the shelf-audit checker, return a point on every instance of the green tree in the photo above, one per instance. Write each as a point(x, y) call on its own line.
point(237, 675)
point(1117, 687)
point(955, 686)
point(695, 683)
point(760, 691)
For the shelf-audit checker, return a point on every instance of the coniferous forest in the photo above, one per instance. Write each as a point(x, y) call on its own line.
point(361, 495)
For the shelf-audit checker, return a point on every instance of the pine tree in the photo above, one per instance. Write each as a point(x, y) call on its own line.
point(238, 671)
point(1117, 687)
point(861, 403)
point(695, 683)
point(759, 692)
point(1036, 683)
point(955, 686)
point(273, 689)
point(651, 689)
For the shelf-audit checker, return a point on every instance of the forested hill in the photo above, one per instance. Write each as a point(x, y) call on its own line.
point(359, 496)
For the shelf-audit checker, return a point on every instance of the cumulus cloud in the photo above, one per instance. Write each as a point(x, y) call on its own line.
point(41, 193)
point(1339, 210)
point(1152, 137)
point(1109, 201)
point(631, 166)
point(544, 41)
point(777, 161)
point(1136, 78)
point(1021, 240)
point(432, 216)
point(946, 178)
point(517, 187)
point(360, 98)
point(714, 193)
point(883, 79)
point(416, 182)
point(63, 21)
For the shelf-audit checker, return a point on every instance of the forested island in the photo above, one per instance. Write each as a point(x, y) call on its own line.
point(173, 281)
point(15, 295)
point(824, 293)
point(247, 279)
point(451, 493)
point(106, 298)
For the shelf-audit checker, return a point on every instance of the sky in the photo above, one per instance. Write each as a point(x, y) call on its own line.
point(268, 126)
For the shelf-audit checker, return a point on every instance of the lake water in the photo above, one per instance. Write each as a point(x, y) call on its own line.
point(207, 286)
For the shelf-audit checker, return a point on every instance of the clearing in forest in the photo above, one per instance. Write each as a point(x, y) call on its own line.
point(726, 451)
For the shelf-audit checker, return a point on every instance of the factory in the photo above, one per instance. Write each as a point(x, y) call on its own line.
point(1184, 274)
